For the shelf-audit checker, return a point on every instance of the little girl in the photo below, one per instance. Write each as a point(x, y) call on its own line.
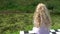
point(41, 20)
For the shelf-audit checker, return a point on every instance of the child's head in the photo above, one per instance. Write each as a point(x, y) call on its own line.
point(41, 15)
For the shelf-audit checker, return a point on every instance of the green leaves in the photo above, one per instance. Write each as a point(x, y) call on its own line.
point(28, 6)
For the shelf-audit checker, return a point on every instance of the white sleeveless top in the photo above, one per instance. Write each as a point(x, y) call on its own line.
point(42, 30)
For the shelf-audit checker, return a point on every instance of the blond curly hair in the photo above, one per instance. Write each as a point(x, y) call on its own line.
point(41, 15)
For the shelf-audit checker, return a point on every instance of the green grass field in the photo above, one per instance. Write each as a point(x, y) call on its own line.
point(13, 23)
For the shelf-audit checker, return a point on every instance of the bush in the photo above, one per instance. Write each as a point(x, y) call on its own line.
point(28, 6)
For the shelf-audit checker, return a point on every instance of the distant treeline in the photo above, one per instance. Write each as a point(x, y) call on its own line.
point(28, 5)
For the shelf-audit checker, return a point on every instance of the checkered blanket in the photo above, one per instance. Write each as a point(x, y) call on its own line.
point(52, 31)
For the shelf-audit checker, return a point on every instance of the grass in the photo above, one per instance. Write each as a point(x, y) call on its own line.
point(55, 22)
point(23, 21)
point(15, 32)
